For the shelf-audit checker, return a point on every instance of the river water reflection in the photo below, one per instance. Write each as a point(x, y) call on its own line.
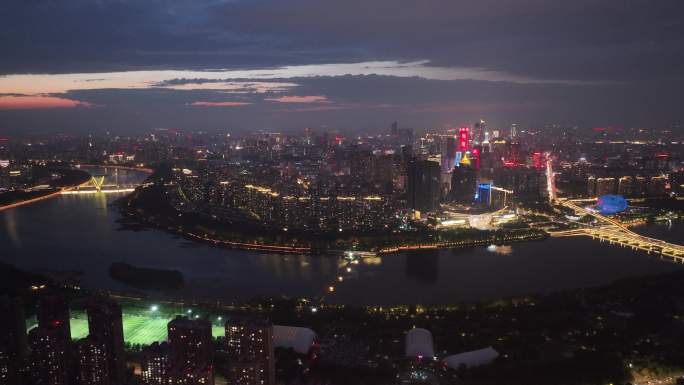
point(81, 233)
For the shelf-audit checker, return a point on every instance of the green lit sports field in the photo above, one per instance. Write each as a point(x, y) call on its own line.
point(138, 329)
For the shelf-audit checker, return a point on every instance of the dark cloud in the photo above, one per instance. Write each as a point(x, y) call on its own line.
point(362, 103)
point(631, 49)
point(581, 39)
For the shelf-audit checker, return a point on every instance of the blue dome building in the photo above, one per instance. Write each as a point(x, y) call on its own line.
point(611, 204)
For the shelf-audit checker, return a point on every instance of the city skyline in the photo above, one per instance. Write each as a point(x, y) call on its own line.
point(336, 192)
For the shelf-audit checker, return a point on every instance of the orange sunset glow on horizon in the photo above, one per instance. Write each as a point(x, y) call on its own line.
point(13, 102)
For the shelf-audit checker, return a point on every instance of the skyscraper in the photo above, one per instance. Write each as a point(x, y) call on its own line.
point(475, 156)
point(394, 129)
point(463, 139)
point(250, 343)
point(423, 191)
point(448, 162)
point(93, 362)
point(105, 325)
point(463, 184)
point(514, 131)
point(479, 129)
point(537, 160)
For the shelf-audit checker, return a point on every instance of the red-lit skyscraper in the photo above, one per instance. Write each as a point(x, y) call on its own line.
point(537, 160)
point(475, 156)
point(463, 139)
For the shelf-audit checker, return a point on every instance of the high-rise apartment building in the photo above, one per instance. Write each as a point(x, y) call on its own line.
point(106, 326)
point(250, 344)
point(93, 362)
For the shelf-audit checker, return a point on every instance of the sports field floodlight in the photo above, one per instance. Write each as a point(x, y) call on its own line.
point(154, 308)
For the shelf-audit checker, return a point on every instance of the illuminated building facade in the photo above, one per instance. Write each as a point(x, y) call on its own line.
point(49, 360)
point(605, 186)
point(250, 343)
point(310, 212)
point(657, 186)
point(463, 139)
point(191, 350)
point(514, 131)
point(537, 160)
point(484, 194)
point(93, 362)
point(245, 373)
point(154, 364)
point(626, 186)
point(476, 154)
point(479, 129)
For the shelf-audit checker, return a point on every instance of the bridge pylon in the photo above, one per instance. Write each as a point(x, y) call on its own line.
point(97, 181)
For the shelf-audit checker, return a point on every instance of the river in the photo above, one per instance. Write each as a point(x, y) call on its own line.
point(81, 233)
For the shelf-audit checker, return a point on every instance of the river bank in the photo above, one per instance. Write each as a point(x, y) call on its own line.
point(86, 233)
point(70, 179)
point(149, 207)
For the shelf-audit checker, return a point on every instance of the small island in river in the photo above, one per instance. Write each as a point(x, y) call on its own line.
point(146, 278)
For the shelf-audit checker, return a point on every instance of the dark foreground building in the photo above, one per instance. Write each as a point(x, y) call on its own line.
point(423, 186)
point(105, 325)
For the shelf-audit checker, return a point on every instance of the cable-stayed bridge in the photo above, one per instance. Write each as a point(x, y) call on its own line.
point(97, 185)
point(614, 232)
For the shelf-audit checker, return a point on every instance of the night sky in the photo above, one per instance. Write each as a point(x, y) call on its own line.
point(127, 66)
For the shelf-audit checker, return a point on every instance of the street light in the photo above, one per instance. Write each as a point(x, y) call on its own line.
point(154, 308)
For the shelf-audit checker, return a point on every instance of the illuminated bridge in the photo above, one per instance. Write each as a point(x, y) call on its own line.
point(614, 232)
point(97, 185)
